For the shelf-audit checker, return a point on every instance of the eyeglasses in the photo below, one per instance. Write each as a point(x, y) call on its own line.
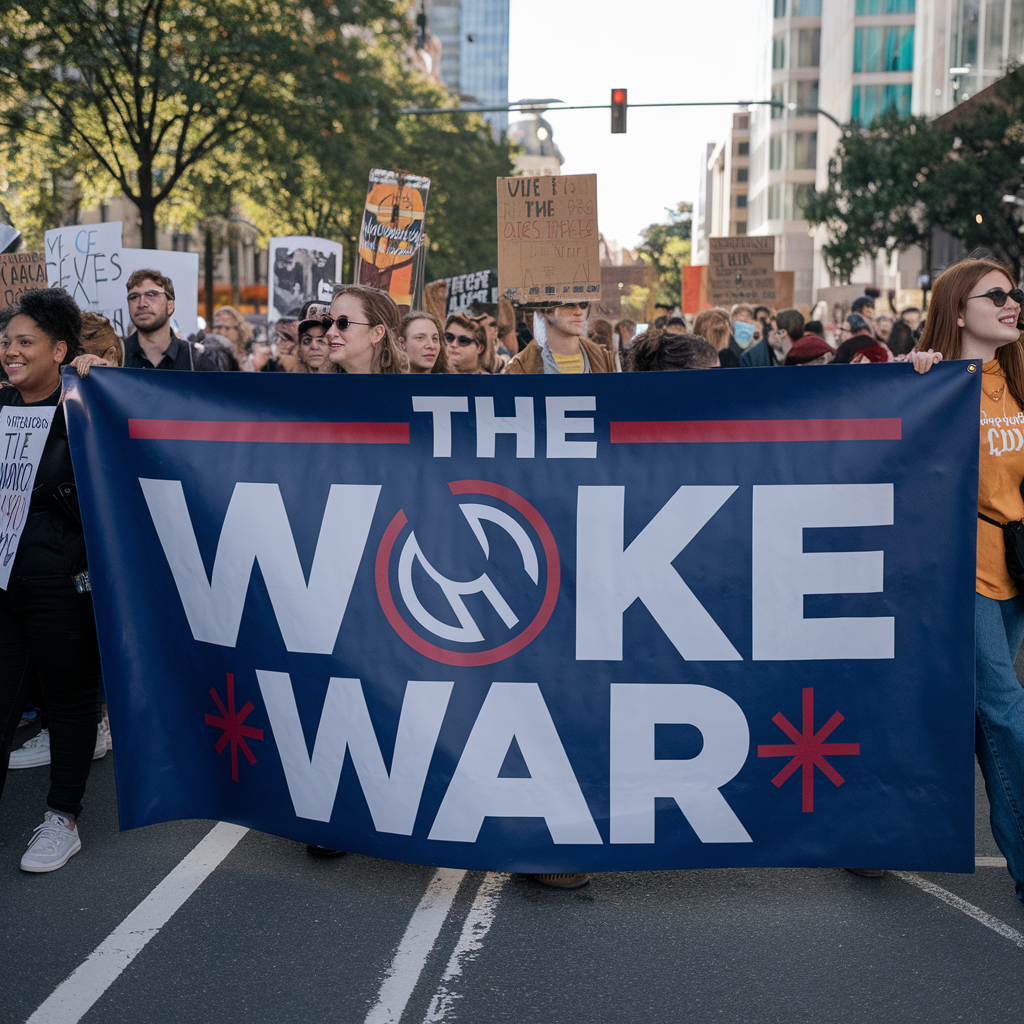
point(148, 296)
point(223, 327)
point(999, 296)
point(459, 339)
point(583, 305)
point(343, 323)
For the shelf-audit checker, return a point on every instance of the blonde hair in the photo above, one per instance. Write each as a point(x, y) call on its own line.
point(714, 326)
point(243, 325)
point(380, 311)
point(100, 339)
point(441, 364)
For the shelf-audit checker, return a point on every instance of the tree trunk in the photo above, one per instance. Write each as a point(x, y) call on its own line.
point(208, 275)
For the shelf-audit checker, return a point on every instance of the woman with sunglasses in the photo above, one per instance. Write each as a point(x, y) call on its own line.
point(420, 338)
point(466, 344)
point(973, 315)
point(362, 331)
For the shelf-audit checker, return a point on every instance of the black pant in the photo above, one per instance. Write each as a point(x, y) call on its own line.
point(46, 620)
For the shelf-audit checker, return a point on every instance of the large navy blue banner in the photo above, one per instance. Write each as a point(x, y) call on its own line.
point(543, 623)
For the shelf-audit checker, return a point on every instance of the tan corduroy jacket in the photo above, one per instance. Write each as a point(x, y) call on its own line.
point(531, 359)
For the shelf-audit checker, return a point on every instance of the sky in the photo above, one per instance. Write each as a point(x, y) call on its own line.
point(660, 51)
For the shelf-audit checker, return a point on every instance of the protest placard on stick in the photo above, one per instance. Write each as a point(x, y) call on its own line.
point(548, 238)
point(19, 272)
point(391, 256)
point(23, 433)
point(741, 269)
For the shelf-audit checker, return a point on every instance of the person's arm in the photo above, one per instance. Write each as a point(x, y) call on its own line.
point(83, 363)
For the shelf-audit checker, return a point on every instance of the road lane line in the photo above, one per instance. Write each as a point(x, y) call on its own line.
point(990, 862)
point(963, 906)
point(73, 998)
point(411, 956)
point(474, 931)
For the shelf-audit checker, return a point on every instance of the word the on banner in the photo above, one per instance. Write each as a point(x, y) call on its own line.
point(24, 432)
point(543, 623)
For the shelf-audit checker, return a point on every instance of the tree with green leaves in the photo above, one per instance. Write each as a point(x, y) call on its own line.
point(145, 92)
point(667, 248)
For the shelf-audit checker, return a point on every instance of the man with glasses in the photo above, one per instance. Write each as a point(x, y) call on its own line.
point(153, 345)
point(560, 344)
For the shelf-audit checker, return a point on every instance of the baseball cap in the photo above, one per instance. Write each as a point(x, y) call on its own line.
point(311, 313)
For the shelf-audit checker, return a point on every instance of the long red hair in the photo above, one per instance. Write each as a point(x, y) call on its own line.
point(942, 332)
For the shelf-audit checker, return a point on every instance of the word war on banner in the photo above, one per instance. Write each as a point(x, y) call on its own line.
point(548, 240)
point(24, 433)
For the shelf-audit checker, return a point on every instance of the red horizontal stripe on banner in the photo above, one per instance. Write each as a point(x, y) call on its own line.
point(712, 431)
point(280, 433)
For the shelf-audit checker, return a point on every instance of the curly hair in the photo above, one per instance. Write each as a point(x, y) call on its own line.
point(380, 311)
point(658, 349)
point(56, 314)
point(441, 364)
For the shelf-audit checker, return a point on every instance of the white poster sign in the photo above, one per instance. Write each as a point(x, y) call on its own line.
point(85, 260)
point(88, 261)
point(23, 433)
point(182, 268)
point(302, 268)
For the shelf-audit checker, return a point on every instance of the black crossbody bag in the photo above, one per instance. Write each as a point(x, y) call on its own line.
point(1013, 539)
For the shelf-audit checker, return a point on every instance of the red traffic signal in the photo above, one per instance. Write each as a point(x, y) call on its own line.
point(618, 111)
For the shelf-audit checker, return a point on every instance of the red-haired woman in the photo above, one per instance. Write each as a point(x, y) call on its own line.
point(973, 315)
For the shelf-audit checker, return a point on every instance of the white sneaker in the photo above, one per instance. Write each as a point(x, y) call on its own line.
point(53, 844)
point(102, 735)
point(34, 753)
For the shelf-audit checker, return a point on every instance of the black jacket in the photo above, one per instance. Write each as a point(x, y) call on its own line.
point(52, 543)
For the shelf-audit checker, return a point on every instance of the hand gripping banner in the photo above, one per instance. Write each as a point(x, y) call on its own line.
point(586, 623)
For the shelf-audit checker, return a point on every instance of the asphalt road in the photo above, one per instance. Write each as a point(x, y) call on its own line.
point(274, 935)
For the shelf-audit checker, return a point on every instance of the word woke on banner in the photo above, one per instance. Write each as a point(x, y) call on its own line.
point(543, 623)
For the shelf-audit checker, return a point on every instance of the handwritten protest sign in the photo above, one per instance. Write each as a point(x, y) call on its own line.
point(548, 238)
point(391, 256)
point(302, 268)
point(741, 269)
point(85, 260)
point(24, 437)
point(88, 261)
point(466, 289)
point(19, 272)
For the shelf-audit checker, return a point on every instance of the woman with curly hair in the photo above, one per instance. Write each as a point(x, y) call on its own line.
point(362, 331)
point(46, 611)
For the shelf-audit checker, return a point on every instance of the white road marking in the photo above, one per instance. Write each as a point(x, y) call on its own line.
point(474, 931)
point(990, 862)
point(411, 956)
point(964, 907)
point(73, 998)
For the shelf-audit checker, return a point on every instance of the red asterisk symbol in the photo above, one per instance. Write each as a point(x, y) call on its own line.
point(807, 749)
point(234, 731)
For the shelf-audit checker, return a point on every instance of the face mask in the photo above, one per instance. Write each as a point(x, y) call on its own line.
point(743, 333)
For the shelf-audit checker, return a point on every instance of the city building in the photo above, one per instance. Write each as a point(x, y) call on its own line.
point(722, 201)
point(474, 51)
point(843, 62)
point(536, 138)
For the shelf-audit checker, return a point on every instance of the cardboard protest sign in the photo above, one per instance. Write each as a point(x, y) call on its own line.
point(85, 260)
point(467, 289)
point(391, 256)
point(548, 238)
point(741, 269)
point(182, 268)
point(302, 268)
point(19, 272)
point(24, 433)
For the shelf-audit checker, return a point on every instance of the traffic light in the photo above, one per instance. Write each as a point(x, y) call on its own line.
point(618, 111)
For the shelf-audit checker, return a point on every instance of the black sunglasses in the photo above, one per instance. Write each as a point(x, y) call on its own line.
point(462, 339)
point(999, 296)
point(342, 321)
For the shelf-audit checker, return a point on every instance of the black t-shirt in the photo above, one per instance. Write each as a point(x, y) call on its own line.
point(52, 543)
point(177, 356)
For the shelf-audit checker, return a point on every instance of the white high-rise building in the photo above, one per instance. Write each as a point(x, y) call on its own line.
point(854, 59)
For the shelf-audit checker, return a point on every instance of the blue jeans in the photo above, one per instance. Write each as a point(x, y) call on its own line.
point(999, 729)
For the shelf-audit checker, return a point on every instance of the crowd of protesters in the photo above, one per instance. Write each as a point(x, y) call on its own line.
point(46, 626)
